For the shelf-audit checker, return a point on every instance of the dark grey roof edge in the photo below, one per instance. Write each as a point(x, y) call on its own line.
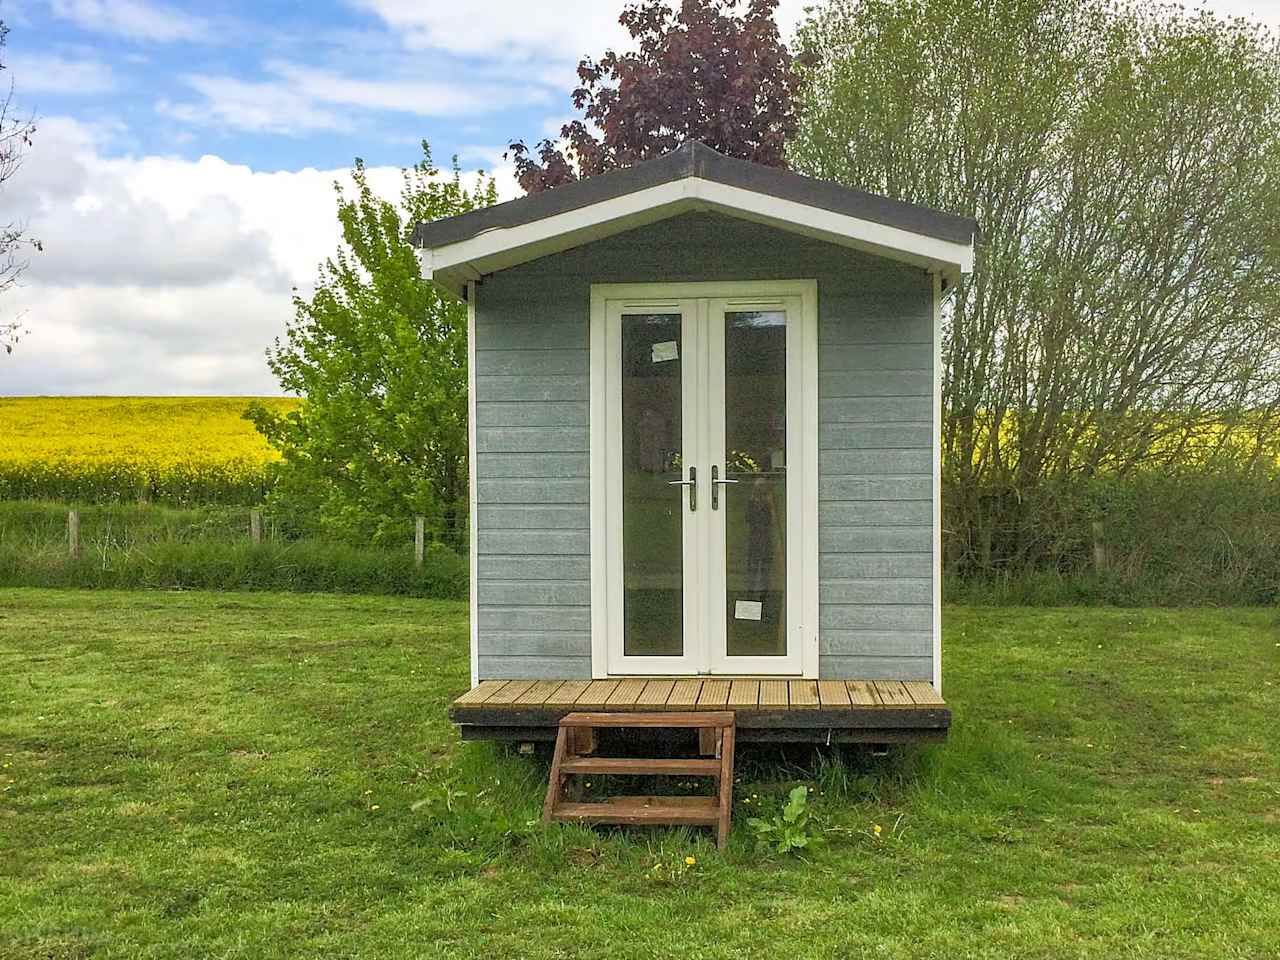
point(693, 158)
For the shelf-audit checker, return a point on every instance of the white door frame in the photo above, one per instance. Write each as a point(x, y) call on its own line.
point(695, 301)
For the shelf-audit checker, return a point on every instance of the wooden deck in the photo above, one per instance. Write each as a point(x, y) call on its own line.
point(834, 711)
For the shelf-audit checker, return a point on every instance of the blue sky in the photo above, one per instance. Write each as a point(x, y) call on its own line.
point(183, 170)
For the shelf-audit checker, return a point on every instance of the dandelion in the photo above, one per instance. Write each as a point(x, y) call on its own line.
point(876, 829)
point(374, 807)
point(689, 861)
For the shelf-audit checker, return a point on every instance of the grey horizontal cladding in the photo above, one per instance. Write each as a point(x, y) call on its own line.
point(535, 619)
point(533, 541)
point(832, 539)
point(535, 566)
point(520, 413)
point(874, 436)
point(888, 487)
point(534, 333)
point(534, 387)
point(519, 363)
point(538, 490)
point(534, 516)
point(499, 667)
point(877, 590)
point(871, 566)
point(530, 466)
point(879, 617)
point(875, 383)
point(535, 593)
point(533, 439)
point(875, 462)
point(534, 643)
point(878, 513)
point(883, 357)
point(876, 643)
point(877, 410)
point(875, 668)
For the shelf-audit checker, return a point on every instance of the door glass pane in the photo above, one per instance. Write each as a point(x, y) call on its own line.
point(755, 430)
point(652, 510)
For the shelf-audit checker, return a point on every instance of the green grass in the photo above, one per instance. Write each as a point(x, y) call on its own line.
point(130, 546)
point(259, 775)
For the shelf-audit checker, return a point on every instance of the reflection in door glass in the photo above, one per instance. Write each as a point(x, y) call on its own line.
point(652, 510)
point(755, 430)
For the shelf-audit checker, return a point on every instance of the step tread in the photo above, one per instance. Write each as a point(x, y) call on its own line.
point(704, 719)
point(643, 766)
point(674, 810)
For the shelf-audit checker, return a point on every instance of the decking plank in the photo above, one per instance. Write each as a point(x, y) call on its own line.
point(804, 694)
point(833, 694)
point(596, 694)
point(744, 693)
point(510, 692)
point(773, 694)
point(684, 695)
point(655, 693)
point(714, 695)
point(862, 693)
point(893, 694)
point(923, 694)
point(626, 692)
point(567, 693)
point(537, 694)
point(480, 692)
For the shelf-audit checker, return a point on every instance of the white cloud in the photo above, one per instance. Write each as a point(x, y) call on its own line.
point(133, 19)
point(304, 99)
point(50, 73)
point(162, 275)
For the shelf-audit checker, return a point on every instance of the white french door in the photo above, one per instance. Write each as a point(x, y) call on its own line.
point(704, 451)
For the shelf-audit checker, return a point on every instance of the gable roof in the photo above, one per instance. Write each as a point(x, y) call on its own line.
point(691, 177)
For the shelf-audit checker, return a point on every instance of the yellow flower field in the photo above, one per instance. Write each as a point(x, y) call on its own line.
point(172, 449)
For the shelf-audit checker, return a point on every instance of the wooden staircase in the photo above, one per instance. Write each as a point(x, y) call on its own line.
point(576, 741)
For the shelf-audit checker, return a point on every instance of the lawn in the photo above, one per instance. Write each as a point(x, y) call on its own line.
point(264, 775)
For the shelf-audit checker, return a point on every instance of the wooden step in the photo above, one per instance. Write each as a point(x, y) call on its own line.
point(693, 811)
point(655, 720)
point(645, 766)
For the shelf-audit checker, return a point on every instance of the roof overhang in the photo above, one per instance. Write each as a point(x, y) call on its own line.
point(468, 247)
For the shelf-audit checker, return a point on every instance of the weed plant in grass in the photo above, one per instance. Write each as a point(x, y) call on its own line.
point(271, 776)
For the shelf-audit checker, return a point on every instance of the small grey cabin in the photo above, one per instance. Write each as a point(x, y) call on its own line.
point(704, 409)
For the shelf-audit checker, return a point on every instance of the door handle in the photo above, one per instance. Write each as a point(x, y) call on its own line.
point(692, 484)
point(716, 484)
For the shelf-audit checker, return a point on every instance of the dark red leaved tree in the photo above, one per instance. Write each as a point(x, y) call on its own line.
point(706, 72)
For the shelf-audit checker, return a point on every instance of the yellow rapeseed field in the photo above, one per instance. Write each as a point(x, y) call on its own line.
point(174, 449)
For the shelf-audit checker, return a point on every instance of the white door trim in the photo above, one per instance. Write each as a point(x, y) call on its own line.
point(802, 454)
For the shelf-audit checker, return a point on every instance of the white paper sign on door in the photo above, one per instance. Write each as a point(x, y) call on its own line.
point(748, 610)
point(666, 350)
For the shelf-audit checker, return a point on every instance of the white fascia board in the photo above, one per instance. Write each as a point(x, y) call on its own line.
point(452, 265)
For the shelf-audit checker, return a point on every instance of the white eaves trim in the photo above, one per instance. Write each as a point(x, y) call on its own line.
point(452, 265)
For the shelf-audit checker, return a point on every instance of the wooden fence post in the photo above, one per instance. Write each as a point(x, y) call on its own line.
point(419, 540)
point(73, 533)
point(1099, 547)
point(255, 525)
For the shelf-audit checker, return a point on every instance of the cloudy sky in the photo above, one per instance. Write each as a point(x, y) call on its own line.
point(182, 174)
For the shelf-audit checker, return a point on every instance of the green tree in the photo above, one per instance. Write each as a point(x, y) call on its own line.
point(1124, 164)
point(380, 360)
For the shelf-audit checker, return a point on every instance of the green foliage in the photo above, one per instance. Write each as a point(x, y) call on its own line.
point(1123, 163)
point(380, 360)
point(790, 830)
point(147, 546)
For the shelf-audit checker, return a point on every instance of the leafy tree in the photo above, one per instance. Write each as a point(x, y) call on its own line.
point(704, 73)
point(15, 139)
point(380, 360)
point(1124, 164)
